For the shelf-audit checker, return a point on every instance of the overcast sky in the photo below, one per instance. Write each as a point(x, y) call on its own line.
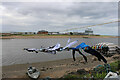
point(59, 16)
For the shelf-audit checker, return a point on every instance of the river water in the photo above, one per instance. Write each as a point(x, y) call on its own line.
point(13, 53)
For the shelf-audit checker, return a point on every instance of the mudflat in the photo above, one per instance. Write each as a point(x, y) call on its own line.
point(53, 69)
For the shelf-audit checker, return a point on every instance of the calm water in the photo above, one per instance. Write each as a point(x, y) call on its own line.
point(13, 53)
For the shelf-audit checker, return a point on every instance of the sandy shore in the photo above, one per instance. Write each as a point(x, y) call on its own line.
point(54, 36)
point(53, 69)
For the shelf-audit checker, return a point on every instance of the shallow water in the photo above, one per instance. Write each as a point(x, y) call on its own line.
point(13, 53)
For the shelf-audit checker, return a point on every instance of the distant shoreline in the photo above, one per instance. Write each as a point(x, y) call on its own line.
point(53, 36)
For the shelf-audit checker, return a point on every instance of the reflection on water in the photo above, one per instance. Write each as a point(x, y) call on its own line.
point(12, 49)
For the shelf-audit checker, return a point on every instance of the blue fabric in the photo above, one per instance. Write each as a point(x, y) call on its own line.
point(73, 48)
point(82, 45)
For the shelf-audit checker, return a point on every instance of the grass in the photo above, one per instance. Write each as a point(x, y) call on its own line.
point(100, 73)
point(115, 66)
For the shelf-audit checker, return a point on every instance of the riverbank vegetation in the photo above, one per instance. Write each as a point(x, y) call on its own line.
point(97, 73)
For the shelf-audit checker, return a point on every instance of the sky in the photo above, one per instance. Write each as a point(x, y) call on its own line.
point(59, 16)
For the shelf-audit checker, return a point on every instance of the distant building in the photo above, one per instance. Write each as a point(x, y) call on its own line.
point(16, 33)
point(28, 33)
point(42, 32)
point(24, 33)
point(53, 33)
point(88, 31)
point(5, 34)
point(78, 33)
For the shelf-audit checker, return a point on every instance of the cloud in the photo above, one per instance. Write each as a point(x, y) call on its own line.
point(32, 16)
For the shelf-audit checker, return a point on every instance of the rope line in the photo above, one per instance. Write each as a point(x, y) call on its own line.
point(90, 26)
